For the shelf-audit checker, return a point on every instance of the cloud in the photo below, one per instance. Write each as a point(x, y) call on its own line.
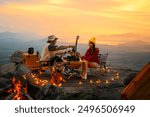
point(71, 17)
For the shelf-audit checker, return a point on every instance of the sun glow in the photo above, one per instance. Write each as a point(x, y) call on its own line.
point(69, 18)
point(57, 1)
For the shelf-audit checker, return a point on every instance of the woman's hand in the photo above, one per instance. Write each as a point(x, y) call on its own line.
point(78, 55)
point(71, 53)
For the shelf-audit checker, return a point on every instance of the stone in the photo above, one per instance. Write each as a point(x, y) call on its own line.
point(128, 79)
point(17, 57)
point(7, 68)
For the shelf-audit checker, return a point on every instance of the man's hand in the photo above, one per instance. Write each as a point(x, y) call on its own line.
point(71, 46)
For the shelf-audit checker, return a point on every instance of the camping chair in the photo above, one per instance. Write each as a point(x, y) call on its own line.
point(102, 64)
point(103, 60)
point(69, 71)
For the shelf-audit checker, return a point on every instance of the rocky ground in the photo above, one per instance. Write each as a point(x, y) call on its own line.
point(100, 85)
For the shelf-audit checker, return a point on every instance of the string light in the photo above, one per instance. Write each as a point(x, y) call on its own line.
point(98, 81)
point(91, 81)
point(115, 75)
point(112, 78)
point(107, 82)
point(80, 83)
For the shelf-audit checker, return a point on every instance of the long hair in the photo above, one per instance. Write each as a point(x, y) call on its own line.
point(93, 48)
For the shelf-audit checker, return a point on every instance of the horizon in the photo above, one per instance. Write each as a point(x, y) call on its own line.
point(26, 40)
point(28, 36)
point(128, 55)
point(112, 22)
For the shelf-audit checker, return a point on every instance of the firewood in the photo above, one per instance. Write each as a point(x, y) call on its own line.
point(4, 89)
point(7, 68)
point(4, 82)
point(16, 57)
point(10, 97)
point(4, 79)
point(26, 95)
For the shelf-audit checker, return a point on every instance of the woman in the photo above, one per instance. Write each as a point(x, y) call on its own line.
point(91, 55)
point(90, 59)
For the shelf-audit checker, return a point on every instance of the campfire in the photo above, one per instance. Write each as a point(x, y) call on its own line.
point(19, 86)
point(26, 85)
point(18, 91)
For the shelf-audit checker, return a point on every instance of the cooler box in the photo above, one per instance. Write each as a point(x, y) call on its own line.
point(31, 60)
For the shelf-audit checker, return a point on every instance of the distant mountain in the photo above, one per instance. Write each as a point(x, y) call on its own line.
point(125, 37)
point(128, 42)
point(132, 54)
point(11, 42)
point(10, 36)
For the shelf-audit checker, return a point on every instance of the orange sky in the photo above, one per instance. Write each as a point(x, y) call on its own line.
point(68, 18)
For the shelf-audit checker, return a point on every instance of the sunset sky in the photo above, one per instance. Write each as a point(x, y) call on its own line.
point(112, 22)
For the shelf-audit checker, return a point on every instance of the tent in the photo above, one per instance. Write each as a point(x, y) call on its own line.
point(139, 87)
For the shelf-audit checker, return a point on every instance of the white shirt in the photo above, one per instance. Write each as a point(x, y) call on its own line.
point(46, 54)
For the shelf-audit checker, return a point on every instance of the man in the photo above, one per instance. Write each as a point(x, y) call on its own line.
point(50, 53)
point(51, 50)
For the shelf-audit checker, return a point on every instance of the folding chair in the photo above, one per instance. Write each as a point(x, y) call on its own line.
point(103, 60)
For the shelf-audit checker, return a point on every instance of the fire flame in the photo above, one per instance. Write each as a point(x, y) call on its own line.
point(56, 77)
point(17, 89)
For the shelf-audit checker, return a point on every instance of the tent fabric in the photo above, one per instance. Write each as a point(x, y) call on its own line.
point(139, 87)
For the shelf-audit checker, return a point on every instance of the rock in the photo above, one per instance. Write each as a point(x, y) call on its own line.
point(22, 69)
point(4, 82)
point(128, 79)
point(70, 90)
point(110, 93)
point(17, 57)
point(49, 92)
point(23, 73)
point(7, 68)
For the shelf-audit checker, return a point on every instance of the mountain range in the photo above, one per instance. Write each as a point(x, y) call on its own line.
point(132, 54)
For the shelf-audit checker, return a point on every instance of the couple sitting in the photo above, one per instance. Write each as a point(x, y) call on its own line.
point(90, 59)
